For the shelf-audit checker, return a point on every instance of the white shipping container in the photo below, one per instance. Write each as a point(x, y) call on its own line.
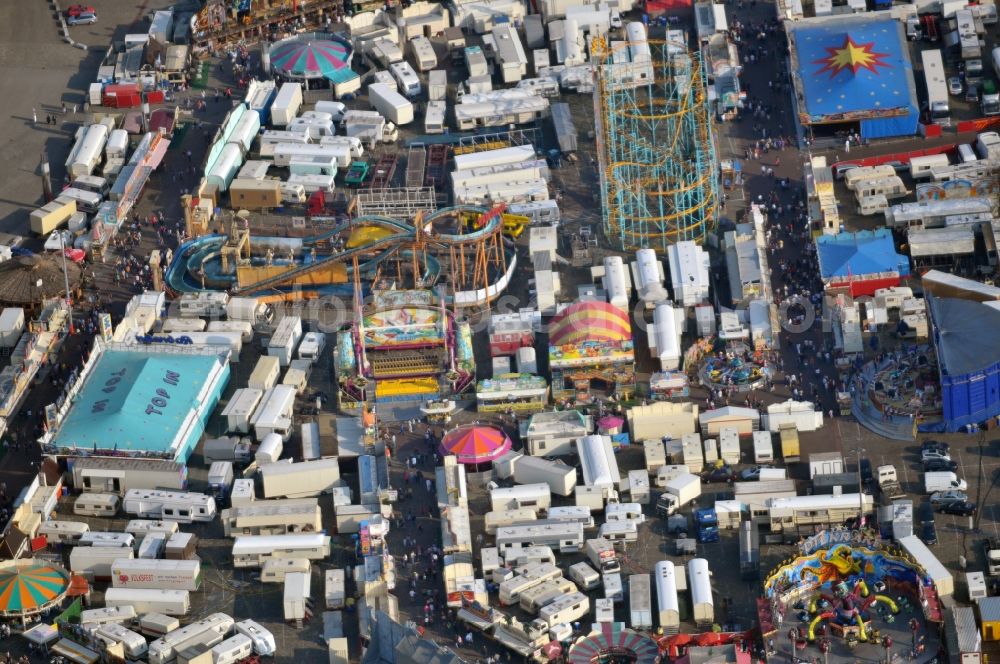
point(560, 478)
point(300, 480)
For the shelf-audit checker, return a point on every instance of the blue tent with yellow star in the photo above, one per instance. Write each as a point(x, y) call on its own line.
point(855, 68)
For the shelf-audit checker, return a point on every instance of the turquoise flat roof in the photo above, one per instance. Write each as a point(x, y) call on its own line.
point(137, 401)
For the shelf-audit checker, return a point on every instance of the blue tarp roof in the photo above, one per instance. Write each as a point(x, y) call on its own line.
point(852, 66)
point(853, 254)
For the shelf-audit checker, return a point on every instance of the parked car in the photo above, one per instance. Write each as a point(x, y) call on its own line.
point(751, 474)
point(928, 455)
point(934, 445)
point(972, 93)
point(82, 19)
point(939, 498)
point(722, 474)
point(76, 10)
point(959, 507)
point(937, 465)
point(955, 85)
point(866, 471)
point(928, 533)
point(925, 513)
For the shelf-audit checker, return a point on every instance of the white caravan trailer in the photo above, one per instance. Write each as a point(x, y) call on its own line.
point(62, 532)
point(142, 527)
point(96, 504)
point(254, 550)
point(133, 643)
point(529, 577)
point(93, 619)
point(274, 570)
point(209, 632)
point(183, 507)
point(157, 624)
point(535, 496)
point(565, 537)
point(515, 517)
point(273, 517)
point(234, 649)
point(263, 640)
point(99, 538)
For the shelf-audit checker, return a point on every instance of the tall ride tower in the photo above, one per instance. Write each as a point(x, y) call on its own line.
point(658, 165)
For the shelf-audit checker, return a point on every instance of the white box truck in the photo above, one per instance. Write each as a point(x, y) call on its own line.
point(286, 104)
point(392, 105)
point(678, 491)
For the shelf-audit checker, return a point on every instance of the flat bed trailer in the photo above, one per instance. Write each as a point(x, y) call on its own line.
point(436, 167)
point(383, 172)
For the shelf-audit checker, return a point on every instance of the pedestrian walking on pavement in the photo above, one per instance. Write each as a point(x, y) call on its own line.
point(34, 117)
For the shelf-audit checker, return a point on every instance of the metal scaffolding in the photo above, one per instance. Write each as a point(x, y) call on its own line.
point(658, 166)
point(398, 203)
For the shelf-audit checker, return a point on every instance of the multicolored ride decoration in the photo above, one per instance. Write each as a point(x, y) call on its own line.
point(841, 589)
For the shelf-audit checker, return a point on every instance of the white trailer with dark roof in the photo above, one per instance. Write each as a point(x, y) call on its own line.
point(700, 583)
point(667, 601)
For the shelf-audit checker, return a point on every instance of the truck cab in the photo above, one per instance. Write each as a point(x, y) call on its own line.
point(666, 505)
point(992, 550)
point(707, 523)
point(602, 554)
point(888, 483)
point(989, 98)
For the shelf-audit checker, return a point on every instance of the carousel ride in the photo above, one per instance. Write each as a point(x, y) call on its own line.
point(849, 595)
point(737, 367)
point(908, 385)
